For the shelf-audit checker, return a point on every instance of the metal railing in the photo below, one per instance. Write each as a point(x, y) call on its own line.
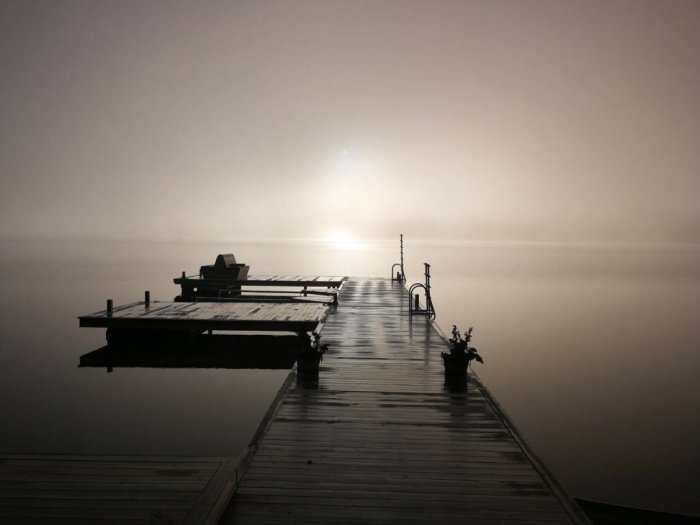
point(414, 307)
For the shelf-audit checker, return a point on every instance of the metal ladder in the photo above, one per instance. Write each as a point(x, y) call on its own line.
point(414, 300)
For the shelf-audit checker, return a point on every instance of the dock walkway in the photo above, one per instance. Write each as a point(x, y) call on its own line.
point(379, 439)
point(66, 489)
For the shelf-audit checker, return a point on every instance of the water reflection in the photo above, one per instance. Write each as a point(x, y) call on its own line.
point(308, 379)
point(456, 383)
point(207, 351)
point(592, 351)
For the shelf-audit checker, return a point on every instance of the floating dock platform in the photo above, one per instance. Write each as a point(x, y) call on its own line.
point(321, 281)
point(199, 317)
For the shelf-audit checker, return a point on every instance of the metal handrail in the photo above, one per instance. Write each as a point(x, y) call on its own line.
point(429, 309)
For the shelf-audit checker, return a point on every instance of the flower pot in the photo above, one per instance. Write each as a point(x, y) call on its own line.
point(308, 362)
point(455, 363)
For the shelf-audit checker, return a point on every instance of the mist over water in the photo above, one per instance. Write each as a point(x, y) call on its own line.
point(497, 121)
point(593, 352)
point(591, 349)
point(542, 120)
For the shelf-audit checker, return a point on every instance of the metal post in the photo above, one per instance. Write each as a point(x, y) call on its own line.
point(428, 299)
point(109, 307)
point(147, 298)
point(184, 276)
point(403, 275)
point(416, 302)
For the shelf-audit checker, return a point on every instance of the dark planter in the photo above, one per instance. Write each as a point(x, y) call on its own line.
point(455, 363)
point(308, 362)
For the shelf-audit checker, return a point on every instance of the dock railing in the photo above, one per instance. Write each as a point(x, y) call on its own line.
point(414, 307)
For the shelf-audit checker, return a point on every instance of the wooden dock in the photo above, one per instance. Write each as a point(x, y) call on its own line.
point(70, 489)
point(300, 281)
point(269, 288)
point(202, 316)
point(379, 439)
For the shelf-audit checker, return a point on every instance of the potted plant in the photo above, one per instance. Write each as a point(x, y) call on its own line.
point(461, 354)
point(311, 353)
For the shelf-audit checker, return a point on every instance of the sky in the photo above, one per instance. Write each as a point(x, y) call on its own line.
point(515, 120)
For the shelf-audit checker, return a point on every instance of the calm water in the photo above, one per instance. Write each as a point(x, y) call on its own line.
point(592, 350)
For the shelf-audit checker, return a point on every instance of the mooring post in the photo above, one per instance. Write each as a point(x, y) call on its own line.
point(403, 275)
point(428, 298)
point(109, 307)
point(147, 298)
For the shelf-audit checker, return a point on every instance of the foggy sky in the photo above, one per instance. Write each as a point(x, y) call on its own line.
point(514, 120)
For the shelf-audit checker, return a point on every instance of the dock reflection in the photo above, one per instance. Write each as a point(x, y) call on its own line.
point(274, 352)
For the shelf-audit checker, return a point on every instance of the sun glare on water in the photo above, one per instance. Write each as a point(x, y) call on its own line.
point(341, 240)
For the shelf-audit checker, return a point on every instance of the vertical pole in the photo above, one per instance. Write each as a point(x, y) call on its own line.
point(416, 302)
point(184, 276)
point(428, 300)
point(147, 298)
point(403, 278)
point(109, 306)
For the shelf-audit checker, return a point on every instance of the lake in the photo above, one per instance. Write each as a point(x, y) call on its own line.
point(592, 349)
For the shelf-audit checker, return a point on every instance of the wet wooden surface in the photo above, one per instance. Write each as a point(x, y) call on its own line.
point(71, 489)
point(380, 439)
point(319, 281)
point(216, 316)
